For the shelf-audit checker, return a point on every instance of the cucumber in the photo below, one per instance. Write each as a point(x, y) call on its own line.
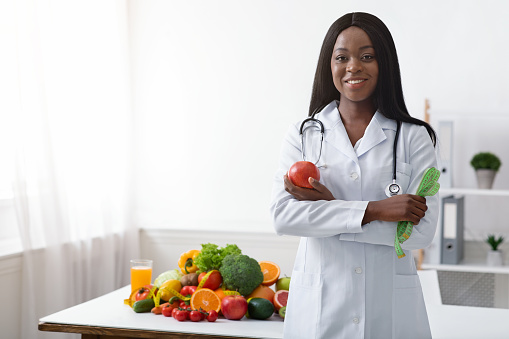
point(145, 305)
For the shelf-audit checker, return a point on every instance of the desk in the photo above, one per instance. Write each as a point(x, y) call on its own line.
point(107, 317)
point(465, 322)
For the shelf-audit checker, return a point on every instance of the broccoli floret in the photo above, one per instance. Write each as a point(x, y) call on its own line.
point(241, 273)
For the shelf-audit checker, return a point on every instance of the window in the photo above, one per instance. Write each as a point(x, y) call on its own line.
point(9, 107)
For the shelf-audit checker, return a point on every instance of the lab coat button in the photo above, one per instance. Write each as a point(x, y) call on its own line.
point(354, 176)
point(355, 320)
point(358, 270)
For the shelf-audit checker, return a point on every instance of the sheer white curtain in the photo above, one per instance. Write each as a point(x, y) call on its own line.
point(73, 135)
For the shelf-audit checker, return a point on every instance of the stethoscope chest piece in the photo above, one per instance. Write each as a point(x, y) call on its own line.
point(393, 189)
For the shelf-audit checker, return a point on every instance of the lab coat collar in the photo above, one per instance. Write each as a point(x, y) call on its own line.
point(330, 118)
point(329, 115)
point(375, 132)
point(335, 132)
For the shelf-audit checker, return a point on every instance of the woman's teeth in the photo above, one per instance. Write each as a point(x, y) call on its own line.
point(355, 81)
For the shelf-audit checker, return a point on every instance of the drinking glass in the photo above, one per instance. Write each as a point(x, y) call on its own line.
point(141, 273)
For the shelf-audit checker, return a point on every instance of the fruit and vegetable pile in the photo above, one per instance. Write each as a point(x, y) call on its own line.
point(215, 281)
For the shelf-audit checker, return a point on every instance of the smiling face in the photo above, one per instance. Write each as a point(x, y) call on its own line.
point(354, 67)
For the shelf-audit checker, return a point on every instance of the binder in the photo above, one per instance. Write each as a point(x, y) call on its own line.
point(452, 229)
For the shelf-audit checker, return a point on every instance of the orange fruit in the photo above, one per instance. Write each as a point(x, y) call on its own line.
point(280, 299)
point(271, 272)
point(262, 291)
point(205, 299)
point(220, 293)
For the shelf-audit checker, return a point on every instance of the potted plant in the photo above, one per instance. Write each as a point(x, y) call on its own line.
point(486, 165)
point(494, 257)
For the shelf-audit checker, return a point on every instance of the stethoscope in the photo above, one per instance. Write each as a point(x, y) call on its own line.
point(392, 189)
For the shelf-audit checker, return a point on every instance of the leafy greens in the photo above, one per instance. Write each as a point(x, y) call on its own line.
point(211, 256)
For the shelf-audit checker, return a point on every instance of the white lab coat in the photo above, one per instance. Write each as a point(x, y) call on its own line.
point(347, 281)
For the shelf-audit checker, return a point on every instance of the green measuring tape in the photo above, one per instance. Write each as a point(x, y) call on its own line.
point(429, 186)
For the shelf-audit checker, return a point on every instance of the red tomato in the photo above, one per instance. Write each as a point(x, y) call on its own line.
point(174, 311)
point(300, 172)
point(195, 315)
point(188, 290)
point(167, 310)
point(212, 316)
point(213, 281)
point(143, 292)
point(180, 315)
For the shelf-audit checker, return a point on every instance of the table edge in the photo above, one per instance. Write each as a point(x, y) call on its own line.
point(125, 332)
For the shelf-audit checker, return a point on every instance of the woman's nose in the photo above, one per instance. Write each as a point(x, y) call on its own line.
point(354, 65)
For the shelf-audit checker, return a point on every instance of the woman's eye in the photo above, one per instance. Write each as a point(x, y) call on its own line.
point(368, 57)
point(340, 58)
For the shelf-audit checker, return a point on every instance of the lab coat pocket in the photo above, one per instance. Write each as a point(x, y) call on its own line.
point(410, 319)
point(304, 305)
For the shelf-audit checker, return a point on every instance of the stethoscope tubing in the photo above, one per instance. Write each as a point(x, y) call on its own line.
point(392, 188)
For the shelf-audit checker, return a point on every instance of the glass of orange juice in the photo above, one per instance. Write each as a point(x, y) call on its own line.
point(141, 273)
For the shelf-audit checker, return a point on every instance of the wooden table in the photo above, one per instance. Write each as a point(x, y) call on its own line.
point(108, 317)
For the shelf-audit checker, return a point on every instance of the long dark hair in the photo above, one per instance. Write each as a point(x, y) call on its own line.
point(388, 95)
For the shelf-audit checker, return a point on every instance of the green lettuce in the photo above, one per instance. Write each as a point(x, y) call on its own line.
point(211, 256)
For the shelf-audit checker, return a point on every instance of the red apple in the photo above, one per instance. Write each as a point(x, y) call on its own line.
point(300, 172)
point(213, 281)
point(234, 307)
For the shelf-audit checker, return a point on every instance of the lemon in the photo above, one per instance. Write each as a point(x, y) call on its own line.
point(167, 287)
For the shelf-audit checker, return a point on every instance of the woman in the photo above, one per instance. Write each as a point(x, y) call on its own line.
point(347, 280)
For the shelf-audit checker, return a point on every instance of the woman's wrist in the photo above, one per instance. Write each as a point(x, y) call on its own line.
point(371, 212)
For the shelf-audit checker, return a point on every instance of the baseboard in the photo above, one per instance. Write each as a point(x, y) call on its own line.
point(11, 264)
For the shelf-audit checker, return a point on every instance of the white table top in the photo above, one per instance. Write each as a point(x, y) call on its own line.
point(464, 322)
point(109, 311)
point(446, 321)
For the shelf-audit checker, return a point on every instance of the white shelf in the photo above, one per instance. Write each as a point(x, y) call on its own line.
point(474, 262)
point(473, 191)
point(477, 266)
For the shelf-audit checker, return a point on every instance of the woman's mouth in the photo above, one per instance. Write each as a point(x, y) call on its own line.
point(355, 83)
point(351, 82)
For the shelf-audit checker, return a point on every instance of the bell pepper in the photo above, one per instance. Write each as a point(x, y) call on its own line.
point(186, 262)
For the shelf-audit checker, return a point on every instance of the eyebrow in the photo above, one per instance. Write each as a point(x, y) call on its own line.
point(346, 49)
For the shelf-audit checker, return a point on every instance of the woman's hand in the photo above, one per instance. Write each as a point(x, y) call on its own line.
point(405, 207)
point(318, 192)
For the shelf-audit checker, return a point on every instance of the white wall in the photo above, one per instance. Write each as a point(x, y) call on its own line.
point(10, 282)
point(216, 84)
point(165, 246)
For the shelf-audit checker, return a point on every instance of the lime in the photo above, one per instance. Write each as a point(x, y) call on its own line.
point(260, 308)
